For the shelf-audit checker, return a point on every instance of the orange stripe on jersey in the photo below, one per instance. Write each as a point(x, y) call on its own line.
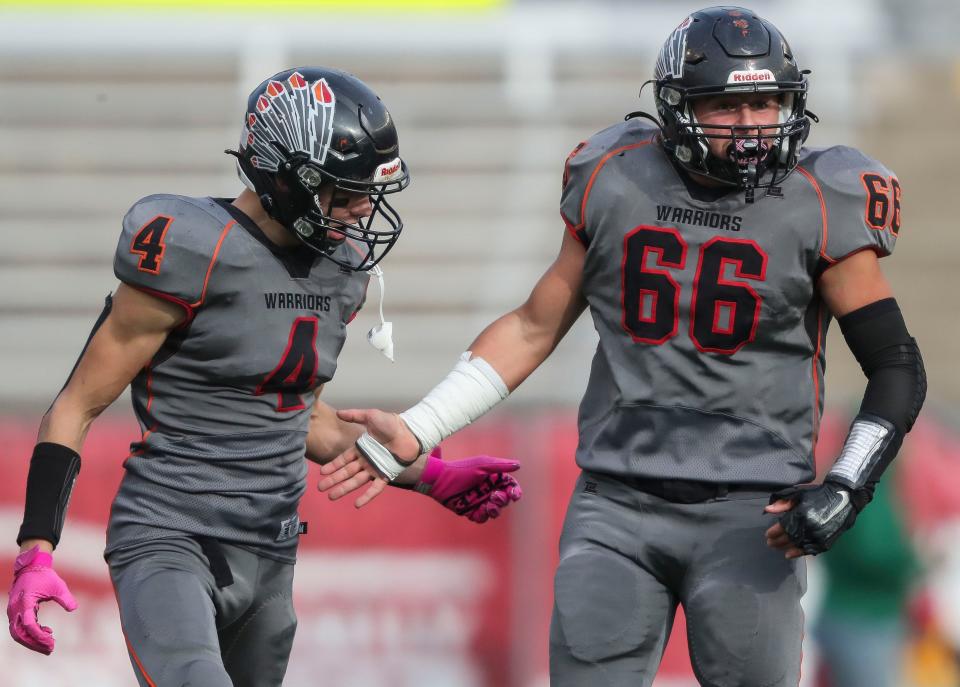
point(213, 260)
point(149, 403)
point(126, 640)
point(136, 659)
point(593, 178)
point(816, 377)
point(823, 214)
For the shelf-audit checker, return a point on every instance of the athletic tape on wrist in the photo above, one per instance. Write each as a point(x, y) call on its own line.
point(869, 437)
point(471, 389)
point(378, 455)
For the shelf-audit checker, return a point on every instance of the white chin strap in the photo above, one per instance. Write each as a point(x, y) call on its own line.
point(381, 336)
point(244, 178)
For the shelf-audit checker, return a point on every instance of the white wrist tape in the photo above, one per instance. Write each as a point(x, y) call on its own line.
point(472, 388)
point(385, 462)
point(862, 450)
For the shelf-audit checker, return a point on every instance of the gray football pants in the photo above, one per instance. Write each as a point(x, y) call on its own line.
point(627, 558)
point(183, 631)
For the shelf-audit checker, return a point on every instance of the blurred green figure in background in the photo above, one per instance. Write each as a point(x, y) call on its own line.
point(870, 574)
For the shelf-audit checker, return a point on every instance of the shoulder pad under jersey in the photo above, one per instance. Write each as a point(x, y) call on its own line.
point(584, 164)
point(861, 201)
point(168, 245)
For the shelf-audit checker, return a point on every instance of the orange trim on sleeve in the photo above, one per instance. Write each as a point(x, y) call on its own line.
point(213, 260)
point(593, 177)
point(823, 214)
point(170, 299)
point(578, 234)
point(566, 165)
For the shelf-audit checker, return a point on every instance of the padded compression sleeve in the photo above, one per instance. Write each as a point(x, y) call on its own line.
point(896, 388)
point(889, 357)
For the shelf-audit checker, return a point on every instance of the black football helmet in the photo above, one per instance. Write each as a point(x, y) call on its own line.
point(312, 126)
point(722, 50)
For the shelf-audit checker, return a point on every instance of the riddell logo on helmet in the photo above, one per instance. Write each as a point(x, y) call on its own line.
point(751, 76)
point(387, 170)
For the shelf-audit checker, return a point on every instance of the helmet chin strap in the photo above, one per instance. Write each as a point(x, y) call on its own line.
point(243, 176)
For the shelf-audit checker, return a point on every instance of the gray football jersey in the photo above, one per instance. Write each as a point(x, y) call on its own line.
point(711, 330)
point(225, 403)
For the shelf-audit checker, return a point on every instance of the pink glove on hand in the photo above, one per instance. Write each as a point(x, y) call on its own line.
point(477, 487)
point(34, 581)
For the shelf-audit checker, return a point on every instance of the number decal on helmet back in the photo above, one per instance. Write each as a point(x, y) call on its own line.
point(148, 243)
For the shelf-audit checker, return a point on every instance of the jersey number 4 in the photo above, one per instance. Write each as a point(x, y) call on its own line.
point(297, 372)
point(148, 243)
point(724, 311)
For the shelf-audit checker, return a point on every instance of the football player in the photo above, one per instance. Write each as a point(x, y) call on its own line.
point(712, 251)
point(228, 320)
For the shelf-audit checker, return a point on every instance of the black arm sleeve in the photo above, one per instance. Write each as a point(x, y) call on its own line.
point(53, 472)
point(896, 388)
point(889, 357)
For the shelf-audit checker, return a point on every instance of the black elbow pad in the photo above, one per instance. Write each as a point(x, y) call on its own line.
point(896, 387)
point(889, 357)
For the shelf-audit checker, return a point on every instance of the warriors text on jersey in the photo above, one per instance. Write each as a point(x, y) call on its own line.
point(711, 353)
point(224, 405)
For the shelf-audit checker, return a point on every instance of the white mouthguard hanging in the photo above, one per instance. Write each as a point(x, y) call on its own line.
point(381, 336)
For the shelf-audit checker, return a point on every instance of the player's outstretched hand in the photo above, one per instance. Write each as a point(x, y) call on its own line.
point(477, 488)
point(35, 581)
point(350, 470)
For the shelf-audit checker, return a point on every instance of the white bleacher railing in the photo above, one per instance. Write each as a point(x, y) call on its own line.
point(99, 109)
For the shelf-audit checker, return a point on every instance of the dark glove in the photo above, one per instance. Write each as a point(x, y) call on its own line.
point(820, 514)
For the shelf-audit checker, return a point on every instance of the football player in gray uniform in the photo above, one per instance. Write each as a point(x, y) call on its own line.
point(712, 251)
point(228, 321)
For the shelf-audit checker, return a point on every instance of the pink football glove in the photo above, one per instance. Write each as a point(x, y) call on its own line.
point(477, 487)
point(34, 581)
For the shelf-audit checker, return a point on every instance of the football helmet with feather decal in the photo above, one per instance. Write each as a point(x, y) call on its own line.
point(309, 127)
